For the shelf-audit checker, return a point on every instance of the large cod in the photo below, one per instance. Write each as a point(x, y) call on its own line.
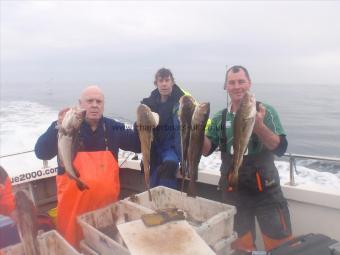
point(27, 223)
point(146, 122)
point(198, 123)
point(67, 142)
point(186, 110)
point(242, 127)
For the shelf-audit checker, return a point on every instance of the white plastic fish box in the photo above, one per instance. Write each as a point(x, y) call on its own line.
point(99, 226)
point(50, 243)
point(86, 250)
point(212, 220)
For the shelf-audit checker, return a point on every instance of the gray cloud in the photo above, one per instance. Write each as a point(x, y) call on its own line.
point(99, 41)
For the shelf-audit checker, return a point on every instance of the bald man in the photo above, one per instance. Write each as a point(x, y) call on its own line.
point(96, 162)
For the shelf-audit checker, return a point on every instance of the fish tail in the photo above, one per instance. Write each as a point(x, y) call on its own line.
point(232, 178)
point(192, 189)
point(76, 171)
point(183, 173)
point(147, 185)
point(147, 180)
point(150, 197)
point(81, 185)
point(182, 184)
point(181, 169)
point(235, 179)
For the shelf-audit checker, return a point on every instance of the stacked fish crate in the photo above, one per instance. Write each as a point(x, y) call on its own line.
point(87, 250)
point(50, 243)
point(99, 227)
point(213, 221)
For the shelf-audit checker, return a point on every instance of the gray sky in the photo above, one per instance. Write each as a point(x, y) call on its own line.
point(281, 42)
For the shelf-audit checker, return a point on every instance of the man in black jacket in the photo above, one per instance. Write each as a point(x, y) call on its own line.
point(166, 147)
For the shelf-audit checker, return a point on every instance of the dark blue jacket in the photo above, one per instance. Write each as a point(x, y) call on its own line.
point(166, 145)
point(119, 137)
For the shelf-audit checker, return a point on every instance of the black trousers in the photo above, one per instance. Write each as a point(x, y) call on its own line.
point(269, 208)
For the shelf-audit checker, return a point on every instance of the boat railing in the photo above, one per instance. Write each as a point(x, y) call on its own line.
point(45, 162)
point(15, 154)
point(292, 163)
point(291, 157)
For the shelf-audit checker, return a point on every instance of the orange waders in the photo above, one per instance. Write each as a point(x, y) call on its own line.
point(7, 205)
point(100, 171)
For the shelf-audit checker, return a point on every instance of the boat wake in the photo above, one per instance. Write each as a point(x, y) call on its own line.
point(22, 122)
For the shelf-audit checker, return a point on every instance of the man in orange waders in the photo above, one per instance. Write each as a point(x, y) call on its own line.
point(258, 191)
point(7, 205)
point(100, 138)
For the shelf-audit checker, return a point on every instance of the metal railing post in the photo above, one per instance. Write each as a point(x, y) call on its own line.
point(45, 163)
point(291, 171)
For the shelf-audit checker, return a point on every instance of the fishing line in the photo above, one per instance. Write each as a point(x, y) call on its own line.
point(225, 87)
point(227, 101)
point(126, 159)
point(14, 154)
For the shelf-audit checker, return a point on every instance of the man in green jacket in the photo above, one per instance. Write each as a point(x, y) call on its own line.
point(258, 193)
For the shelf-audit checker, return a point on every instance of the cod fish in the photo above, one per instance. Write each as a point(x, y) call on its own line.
point(27, 223)
point(186, 110)
point(198, 122)
point(67, 142)
point(242, 127)
point(146, 121)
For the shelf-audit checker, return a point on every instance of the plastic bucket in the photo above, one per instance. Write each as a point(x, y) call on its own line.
point(53, 214)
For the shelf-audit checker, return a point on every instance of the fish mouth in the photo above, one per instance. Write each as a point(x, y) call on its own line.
point(252, 98)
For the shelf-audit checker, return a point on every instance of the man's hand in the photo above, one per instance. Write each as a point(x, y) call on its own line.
point(259, 125)
point(267, 137)
point(61, 115)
